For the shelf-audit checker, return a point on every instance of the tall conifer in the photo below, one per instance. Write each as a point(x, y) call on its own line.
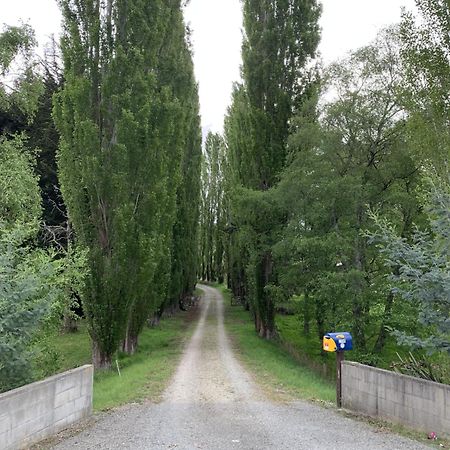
point(120, 154)
point(280, 38)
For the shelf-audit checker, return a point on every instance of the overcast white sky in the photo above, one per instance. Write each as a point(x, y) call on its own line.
point(217, 25)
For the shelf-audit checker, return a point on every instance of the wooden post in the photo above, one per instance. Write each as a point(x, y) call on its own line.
point(339, 358)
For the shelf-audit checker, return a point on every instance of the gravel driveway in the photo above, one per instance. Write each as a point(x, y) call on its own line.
point(212, 403)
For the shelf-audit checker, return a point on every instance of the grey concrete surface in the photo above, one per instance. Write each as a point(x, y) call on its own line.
point(212, 403)
point(417, 403)
point(41, 409)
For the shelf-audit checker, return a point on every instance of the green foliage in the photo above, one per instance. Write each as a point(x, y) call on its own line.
point(279, 41)
point(34, 283)
point(422, 368)
point(15, 41)
point(425, 53)
point(185, 232)
point(21, 86)
point(28, 276)
point(25, 297)
point(350, 156)
point(422, 275)
point(213, 213)
point(129, 160)
point(19, 195)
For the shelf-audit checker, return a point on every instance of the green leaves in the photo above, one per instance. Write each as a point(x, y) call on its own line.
point(129, 160)
point(15, 41)
point(19, 88)
point(19, 194)
point(423, 271)
point(280, 40)
point(30, 278)
point(425, 54)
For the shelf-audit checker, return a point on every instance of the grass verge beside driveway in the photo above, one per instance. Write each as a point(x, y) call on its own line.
point(283, 378)
point(272, 366)
point(144, 375)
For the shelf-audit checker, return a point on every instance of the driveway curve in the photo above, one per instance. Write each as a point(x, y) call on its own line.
point(212, 403)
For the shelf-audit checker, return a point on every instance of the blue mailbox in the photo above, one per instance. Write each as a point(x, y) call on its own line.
point(337, 342)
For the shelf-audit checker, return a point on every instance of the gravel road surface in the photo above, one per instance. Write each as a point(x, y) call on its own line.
point(212, 403)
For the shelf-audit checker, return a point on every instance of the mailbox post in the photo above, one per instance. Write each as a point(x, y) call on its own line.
point(339, 358)
point(338, 343)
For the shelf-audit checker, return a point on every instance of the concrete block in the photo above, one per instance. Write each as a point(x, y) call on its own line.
point(394, 395)
point(6, 440)
point(83, 405)
point(64, 411)
point(5, 423)
point(410, 401)
point(408, 384)
point(66, 396)
point(30, 414)
point(386, 408)
point(65, 384)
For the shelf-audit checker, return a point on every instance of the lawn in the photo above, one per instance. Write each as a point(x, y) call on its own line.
point(142, 376)
point(272, 365)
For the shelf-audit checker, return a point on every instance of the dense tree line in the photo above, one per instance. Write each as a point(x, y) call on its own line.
point(213, 218)
point(329, 189)
point(335, 180)
point(105, 150)
point(34, 278)
point(129, 161)
point(279, 41)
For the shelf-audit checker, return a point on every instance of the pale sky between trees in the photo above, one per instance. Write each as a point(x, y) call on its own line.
point(217, 24)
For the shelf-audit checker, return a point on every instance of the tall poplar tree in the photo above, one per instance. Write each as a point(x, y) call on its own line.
point(181, 144)
point(280, 39)
point(117, 154)
point(185, 255)
point(213, 214)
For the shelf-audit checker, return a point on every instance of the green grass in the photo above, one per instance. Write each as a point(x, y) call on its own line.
point(143, 375)
point(307, 349)
point(74, 349)
point(272, 365)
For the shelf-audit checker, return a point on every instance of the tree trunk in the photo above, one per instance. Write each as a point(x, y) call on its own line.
point(306, 313)
point(381, 340)
point(262, 330)
point(268, 318)
point(257, 322)
point(130, 343)
point(154, 321)
point(360, 306)
point(100, 359)
point(70, 324)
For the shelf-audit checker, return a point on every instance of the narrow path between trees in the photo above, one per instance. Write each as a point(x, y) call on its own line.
point(212, 403)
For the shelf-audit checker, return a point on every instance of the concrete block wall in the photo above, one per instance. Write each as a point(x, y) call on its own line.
point(39, 410)
point(416, 403)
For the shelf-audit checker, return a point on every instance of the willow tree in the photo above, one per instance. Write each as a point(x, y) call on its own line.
point(116, 123)
point(354, 158)
point(280, 39)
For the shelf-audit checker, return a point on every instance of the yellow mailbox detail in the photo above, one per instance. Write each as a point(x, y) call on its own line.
point(328, 344)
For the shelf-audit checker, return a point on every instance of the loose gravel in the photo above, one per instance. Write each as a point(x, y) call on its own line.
point(212, 403)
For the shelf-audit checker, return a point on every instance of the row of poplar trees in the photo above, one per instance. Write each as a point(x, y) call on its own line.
point(280, 40)
point(313, 165)
point(129, 161)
